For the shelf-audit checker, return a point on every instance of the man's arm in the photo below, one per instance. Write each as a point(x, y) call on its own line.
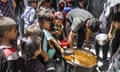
point(110, 30)
point(88, 32)
point(76, 25)
point(71, 39)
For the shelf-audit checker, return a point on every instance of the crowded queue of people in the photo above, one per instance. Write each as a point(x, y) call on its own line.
point(43, 29)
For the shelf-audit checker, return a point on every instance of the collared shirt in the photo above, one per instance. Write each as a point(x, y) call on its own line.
point(9, 52)
point(28, 16)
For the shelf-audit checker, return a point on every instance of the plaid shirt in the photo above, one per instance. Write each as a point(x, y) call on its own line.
point(7, 8)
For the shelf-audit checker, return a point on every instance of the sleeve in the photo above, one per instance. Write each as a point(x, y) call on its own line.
point(48, 35)
point(22, 15)
point(32, 16)
point(2, 62)
point(68, 23)
point(76, 24)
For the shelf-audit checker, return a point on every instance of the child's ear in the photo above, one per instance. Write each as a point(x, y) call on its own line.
point(6, 33)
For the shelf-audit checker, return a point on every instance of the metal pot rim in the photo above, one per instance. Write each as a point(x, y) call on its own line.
point(77, 64)
point(101, 36)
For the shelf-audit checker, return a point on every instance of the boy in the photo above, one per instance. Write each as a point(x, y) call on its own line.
point(32, 48)
point(114, 32)
point(35, 31)
point(44, 19)
point(8, 54)
point(29, 13)
point(45, 25)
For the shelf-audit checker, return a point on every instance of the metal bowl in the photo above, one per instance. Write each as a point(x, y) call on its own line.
point(101, 39)
point(68, 51)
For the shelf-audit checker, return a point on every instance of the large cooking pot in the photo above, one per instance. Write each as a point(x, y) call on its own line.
point(75, 66)
point(101, 39)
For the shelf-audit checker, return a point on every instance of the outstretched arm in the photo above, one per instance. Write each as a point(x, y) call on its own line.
point(71, 39)
point(57, 45)
point(111, 30)
point(88, 32)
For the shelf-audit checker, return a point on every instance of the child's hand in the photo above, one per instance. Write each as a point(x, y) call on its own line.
point(62, 51)
point(58, 33)
point(110, 36)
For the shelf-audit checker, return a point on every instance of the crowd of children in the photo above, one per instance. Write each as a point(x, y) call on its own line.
point(43, 31)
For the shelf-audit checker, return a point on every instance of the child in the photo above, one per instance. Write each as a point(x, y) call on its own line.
point(114, 32)
point(8, 54)
point(57, 29)
point(32, 48)
point(35, 31)
point(45, 25)
point(29, 13)
point(44, 22)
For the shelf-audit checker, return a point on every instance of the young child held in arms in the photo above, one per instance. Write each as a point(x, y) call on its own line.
point(57, 29)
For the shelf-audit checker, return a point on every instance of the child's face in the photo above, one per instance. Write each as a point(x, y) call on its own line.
point(47, 25)
point(48, 4)
point(58, 22)
point(34, 4)
point(12, 34)
point(117, 25)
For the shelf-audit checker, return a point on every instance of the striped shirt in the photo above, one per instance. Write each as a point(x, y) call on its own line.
point(28, 16)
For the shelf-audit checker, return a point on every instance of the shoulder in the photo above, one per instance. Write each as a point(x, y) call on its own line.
point(29, 8)
point(46, 32)
point(2, 56)
point(87, 13)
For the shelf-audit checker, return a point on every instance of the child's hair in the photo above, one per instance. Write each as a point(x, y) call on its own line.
point(43, 19)
point(33, 30)
point(116, 17)
point(30, 45)
point(58, 15)
point(31, 1)
point(32, 40)
point(61, 5)
point(6, 24)
point(44, 15)
point(45, 1)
